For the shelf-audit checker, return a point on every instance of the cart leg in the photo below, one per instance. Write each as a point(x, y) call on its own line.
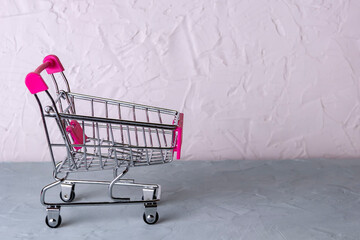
point(111, 185)
point(153, 193)
point(158, 192)
point(53, 218)
point(148, 194)
point(151, 215)
point(67, 193)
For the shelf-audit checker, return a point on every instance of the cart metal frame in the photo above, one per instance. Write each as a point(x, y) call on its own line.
point(99, 142)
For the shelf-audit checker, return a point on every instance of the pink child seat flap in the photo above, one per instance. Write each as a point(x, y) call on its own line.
point(76, 133)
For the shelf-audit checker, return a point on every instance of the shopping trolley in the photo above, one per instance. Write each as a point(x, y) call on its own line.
point(101, 134)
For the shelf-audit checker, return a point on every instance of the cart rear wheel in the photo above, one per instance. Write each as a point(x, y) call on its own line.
point(70, 199)
point(52, 223)
point(151, 219)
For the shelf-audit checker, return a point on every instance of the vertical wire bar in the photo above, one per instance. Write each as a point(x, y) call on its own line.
point(47, 133)
point(62, 128)
point(136, 134)
point(93, 124)
point(66, 81)
point(107, 116)
point(57, 91)
point(99, 144)
point(146, 150)
point(68, 89)
point(73, 104)
point(84, 142)
point(151, 141)
point(158, 138)
point(113, 143)
point(59, 101)
point(121, 127)
point(165, 156)
point(69, 162)
point(70, 103)
point(173, 137)
point(163, 132)
point(131, 154)
point(55, 83)
point(148, 120)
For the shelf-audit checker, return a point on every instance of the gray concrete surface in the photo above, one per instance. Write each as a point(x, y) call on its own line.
point(294, 199)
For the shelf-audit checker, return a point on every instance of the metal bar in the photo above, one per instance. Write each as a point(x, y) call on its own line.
point(67, 109)
point(61, 127)
point(59, 96)
point(107, 146)
point(143, 185)
point(99, 145)
point(131, 153)
point(167, 131)
point(113, 143)
point(55, 83)
point(136, 135)
point(70, 104)
point(84, 141)
point(121, 127)
point(111, 185)
point(160, 120)
point(128, 201)
point(66, 81)
point(57, 91)
point(148, 120)
point(68, 91)
point(46, 131)
point(93, 124)
point(116, 121)
point(158, 138)
point(146, 150)
point(107, 116)
point(126, 104)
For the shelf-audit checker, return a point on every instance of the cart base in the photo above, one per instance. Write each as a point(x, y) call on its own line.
point(150, 196)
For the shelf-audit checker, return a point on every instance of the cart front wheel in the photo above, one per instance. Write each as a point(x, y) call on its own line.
point(151, 219)
point(66, 198)
point(52, 223)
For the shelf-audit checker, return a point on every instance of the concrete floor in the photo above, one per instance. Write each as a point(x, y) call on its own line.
point(295, 199)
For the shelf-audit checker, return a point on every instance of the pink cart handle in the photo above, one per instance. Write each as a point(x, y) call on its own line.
point(179, 129)
point(34, 82)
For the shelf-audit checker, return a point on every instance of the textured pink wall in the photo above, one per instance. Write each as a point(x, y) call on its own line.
point(256, 79)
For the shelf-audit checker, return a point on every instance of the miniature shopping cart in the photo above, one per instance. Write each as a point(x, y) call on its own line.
point(101, 134)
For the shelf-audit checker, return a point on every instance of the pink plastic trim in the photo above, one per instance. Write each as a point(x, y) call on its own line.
point(55, 64)
point(179, 129)
point(35, 83)
point(42, 67)
point(76, 133)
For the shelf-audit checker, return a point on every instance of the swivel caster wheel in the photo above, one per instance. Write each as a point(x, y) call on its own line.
point(67, 193)
point(150, 218)
point(66, 197)
point(53, 223)
point(53, 218)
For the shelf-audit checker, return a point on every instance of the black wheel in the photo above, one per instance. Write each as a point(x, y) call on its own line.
point(71, 198)
point(150, 219)
point(52, 223)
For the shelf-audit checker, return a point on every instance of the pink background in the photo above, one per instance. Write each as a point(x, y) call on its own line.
point(256, 79)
